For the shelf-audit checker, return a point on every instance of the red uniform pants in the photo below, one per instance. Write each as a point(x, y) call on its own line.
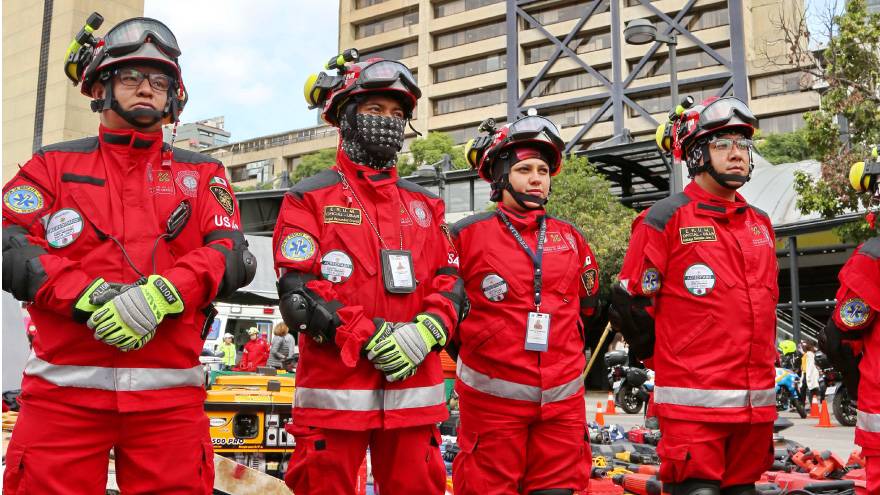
point(872, 472)
point(503, 453)
point(404, 460)
point(58, 449)
point(732, 453)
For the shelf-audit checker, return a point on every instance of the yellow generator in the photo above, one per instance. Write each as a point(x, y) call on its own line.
point(247, 420)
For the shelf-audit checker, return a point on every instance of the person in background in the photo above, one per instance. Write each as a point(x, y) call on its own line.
point(810, 373)
point(227, 352)
point(256, 352)
point(282, 345)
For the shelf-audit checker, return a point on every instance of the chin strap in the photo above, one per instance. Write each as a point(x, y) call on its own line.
point(131, 116)
point(700, 161)
point(523, 199)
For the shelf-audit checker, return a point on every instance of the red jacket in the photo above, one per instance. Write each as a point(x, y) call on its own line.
point(858, 302)
point(255, 355)
point(72, 197)
point(323, 225)
point(710, 265)
point(494, 367)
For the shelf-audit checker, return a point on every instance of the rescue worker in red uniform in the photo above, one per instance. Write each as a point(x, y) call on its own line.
point(368, 275)
point(705, 261)
point(119, 243)
point(256, 352)
point(530, 278)
point(851, 339)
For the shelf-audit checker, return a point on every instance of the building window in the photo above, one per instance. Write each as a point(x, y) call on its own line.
point(469, 101)
point(359, 4)
point(582, 44)
point(578, 115)
point(633, 3)
point(458, 6)
point(470, 35)
point(563, 13)
point(658, 103)
point(395, 52)
point(780, 84)
point(686, 61)
point(781, 123)
point(407, 18)
point(569, 82)
point(469, 68)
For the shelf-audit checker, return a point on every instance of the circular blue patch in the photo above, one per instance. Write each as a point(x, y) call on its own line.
point(854, 313)
point(23, 199)
point(650, 281)
point(298, 246)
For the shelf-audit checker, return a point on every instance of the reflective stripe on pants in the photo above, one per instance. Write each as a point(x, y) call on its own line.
point(369, 400)
point(697, 397)
point(869, 422)
point(114, 379)
point(512, 390)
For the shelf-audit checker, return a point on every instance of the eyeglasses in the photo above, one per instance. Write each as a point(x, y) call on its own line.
point(129, 35)
point(725, 144)
point(134, 78)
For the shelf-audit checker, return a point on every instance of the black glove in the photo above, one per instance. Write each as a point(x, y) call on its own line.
point(306, 313)
point(629, 317)
point(831, 341)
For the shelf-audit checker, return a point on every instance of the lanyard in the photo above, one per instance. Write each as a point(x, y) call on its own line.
point(345, 185)
point(535, 257)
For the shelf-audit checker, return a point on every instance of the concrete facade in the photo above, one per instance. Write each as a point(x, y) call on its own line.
point(66, 113)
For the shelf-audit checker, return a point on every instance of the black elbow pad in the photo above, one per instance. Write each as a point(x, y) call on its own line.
point(23, 274)
point(304, 311)
point(841, 355)
point(628, 316)
point(241, 264)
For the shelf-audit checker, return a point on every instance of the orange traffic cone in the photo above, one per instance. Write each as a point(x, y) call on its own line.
point(814, 408)
point(609, 405)
point(824, 419)
point(600, 418)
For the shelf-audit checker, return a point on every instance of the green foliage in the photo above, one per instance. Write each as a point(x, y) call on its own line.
point(786, 147)
point(852, 73)
point(582, 195)
point(313, 163)
point(430, 150)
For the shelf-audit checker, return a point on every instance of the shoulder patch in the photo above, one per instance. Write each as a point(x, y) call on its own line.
point(871, 248)
point(468, 221)
point(186, 156)
point(84, 145)
point(322, 179)
point(413, 187)
point(660, 214)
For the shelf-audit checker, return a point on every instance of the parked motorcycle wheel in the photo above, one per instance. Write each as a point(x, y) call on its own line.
point(844, 408)
point(627, 399)
point(799, 407)
point(783, 399)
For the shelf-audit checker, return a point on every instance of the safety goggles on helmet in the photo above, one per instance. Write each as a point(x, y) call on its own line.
point(535, 126)
point(721, 111)
point(127, 36)
point(385, 73)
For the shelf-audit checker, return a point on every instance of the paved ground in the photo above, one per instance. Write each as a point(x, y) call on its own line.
point(838, 439)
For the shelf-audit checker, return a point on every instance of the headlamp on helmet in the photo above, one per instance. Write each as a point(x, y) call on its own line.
point(79, 52)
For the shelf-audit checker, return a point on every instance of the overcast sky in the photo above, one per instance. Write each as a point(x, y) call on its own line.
point(248, 60)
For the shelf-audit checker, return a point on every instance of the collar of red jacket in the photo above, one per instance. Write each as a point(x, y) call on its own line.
point(130, 140)
point(714, 206)
point(363, 175)
point(523, 220)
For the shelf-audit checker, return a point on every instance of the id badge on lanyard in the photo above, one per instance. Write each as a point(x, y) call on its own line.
point(397, 271)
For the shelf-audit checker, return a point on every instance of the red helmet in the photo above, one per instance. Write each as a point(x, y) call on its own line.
point(712, 116)
point(530, 132)
point(375, 75)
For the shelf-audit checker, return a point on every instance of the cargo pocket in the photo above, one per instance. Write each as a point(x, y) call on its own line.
point(673, 465)
point(305, 469)
point(435, 467)
point(13, 476)
point(586, 464)
point(466, 476)
point(206, 470)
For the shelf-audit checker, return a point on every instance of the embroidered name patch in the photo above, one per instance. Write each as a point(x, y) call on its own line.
point(224, 198)
point(340, 214)
point(697, 234)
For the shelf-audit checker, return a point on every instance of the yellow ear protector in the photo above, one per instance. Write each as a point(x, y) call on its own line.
point(318, 86)
point(476, 148)
point(864, 176)
point(312, 94)
point(663, 136)
point(79, 52)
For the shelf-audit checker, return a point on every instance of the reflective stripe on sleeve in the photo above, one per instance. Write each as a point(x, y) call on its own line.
point(696, 397)
point(114, 379)
point(512, 390)
point(369, 400)
point(869, 422)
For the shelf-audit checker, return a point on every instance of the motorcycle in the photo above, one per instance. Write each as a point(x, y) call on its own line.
point(787, 385)
point(842, 406)
point(631, 386)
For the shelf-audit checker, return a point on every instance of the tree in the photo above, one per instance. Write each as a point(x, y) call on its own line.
point(313, 163)
point(786, 147)
point(849, 66)
point(582, 196)
point(430, 150)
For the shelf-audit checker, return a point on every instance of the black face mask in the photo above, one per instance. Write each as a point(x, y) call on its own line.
point(372, 140)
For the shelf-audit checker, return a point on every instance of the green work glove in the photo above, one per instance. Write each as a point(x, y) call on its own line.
point(93, 297)
point(399, 350)
point(130, 319)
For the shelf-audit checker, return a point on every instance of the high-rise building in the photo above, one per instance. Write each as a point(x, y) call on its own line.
point(40, 105)
point(196, 136)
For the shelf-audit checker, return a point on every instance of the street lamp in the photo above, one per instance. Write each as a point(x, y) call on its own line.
point(642, 32)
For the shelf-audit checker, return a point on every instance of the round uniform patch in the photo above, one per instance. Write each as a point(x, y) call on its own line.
point(23, 199)
point(650, 281)
point(494, 287)
point(64, 227)
point(854, 312)
point(699, 279)
point(419, 211)
point(298, 246)
point(188, 182)
point(336, 266)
